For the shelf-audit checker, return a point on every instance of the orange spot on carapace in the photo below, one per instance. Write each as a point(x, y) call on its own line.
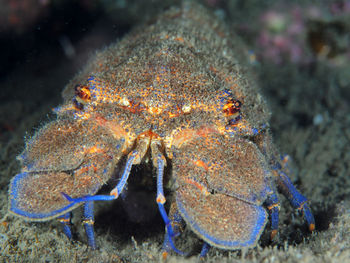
point(188, 135)
point(94, 149)
point(172, 115)
point(202, 188)
point(148, 134)
point(201, 164)
point(117, 130)
point(154, 110)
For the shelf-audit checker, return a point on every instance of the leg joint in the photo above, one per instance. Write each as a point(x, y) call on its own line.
point(88, 222)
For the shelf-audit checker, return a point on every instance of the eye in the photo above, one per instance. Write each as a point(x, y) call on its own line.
point(82, 96)
point(232, 109)
point(82, 93)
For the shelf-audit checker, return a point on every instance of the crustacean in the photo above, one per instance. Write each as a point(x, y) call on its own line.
point(174, 92)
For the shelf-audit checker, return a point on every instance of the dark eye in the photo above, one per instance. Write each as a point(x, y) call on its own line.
point(82, 96)
point(82, 93)
point(232, 109)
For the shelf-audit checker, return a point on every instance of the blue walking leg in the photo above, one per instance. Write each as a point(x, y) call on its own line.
point(66, 223)
point(205, 250)
point(296, 199)
point(177, 226)
point(161, 201)
point(89, 223)
point(273, 207)
point(115, 191)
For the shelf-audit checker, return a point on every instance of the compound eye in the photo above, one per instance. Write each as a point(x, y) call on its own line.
point(82, 96)
point(82, 93)
point(232, 109)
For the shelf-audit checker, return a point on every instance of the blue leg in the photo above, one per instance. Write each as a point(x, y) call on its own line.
point(161, 201)
point(205, 250)
point(273, 207)
point(296, 199)
point(89, 223)
point(66, 223)
point(88, 200)
point(176, 223)
point(115, 191)
point(285, 160)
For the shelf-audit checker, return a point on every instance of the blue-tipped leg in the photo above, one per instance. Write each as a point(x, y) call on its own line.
point(88, 200)
point(273, 207)
point(115, 191)
point(205, 250)
point(176, 221)
point(168, 242)
point(89, 223)
point(308, 216)
point(66, 223)
point(296, 199)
